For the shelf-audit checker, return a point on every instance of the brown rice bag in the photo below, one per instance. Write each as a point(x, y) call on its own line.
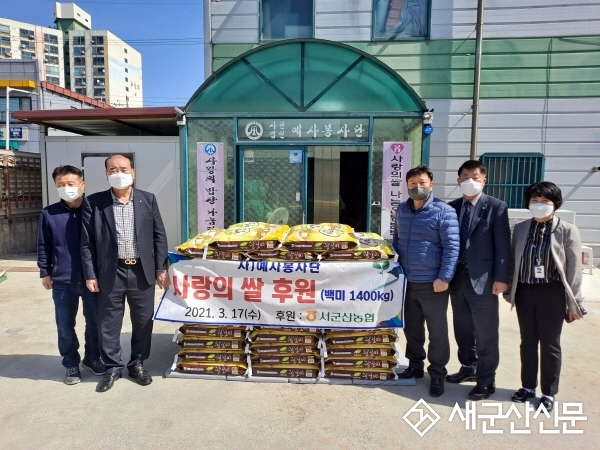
point(285, 371)
point(385, 362)
point(213, 331)
point(209, 368)
point(337, 332)
point(297, 255)
point(361, 351)
point(320, 237)
point(195, 245)
point(285, 330)
point(249, 236)
point(285, 350)
point(208, 342)
point(360, 374)
point(211, 355)
point(278, 339)
point(360, 340)
point(370, 246)
point(286, 359)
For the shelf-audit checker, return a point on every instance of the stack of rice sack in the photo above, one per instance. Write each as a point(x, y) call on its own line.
point(212, 350)
point(236, 243)
point(285, 352)
point(360, 354)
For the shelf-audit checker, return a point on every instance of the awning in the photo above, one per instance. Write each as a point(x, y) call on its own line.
point(156, 121)
point(12, 145)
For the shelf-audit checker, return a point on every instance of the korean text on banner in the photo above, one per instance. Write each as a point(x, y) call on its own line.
point(397, 160)
point(211, 193)
point(358, 295)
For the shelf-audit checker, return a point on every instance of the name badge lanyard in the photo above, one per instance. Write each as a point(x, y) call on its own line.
point(538, 251)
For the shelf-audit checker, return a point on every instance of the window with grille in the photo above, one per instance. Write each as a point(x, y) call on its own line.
point(508, 174)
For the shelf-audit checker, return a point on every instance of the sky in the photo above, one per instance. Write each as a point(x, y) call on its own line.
point(168, 34)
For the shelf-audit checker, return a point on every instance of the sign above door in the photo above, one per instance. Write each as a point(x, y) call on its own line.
point(305, 130)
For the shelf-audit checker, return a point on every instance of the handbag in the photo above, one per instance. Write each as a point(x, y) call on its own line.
point(569, 319)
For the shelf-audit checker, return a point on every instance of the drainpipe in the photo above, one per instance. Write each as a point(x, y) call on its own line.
point(477, 79)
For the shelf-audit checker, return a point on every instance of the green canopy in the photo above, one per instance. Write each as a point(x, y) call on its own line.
point(312, 76)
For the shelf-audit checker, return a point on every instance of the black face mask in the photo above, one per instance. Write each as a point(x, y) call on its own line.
point(419, 193)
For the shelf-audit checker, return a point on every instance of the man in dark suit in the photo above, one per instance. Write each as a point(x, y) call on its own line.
point(481, 275)
point(124, 253)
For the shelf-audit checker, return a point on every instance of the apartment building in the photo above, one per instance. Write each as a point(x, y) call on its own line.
point(93, 63)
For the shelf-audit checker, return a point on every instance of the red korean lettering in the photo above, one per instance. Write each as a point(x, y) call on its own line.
point(223, 287)
point(283, 289)
point(201, 286)
point(252, 288)
point(186, 284)
point(305, 290)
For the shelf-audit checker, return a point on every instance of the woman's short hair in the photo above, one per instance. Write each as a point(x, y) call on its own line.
point(544, 189)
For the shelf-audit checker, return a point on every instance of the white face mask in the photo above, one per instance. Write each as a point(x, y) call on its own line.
point(69, 193)
point(120, 180)
point(541, 210)
point(470, 187)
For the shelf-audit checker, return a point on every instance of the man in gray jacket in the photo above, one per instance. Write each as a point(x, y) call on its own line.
point(427, 242)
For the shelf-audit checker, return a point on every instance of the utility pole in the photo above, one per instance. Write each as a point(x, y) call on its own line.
point(476, 79)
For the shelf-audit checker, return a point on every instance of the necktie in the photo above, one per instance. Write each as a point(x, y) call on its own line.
point(464, 232)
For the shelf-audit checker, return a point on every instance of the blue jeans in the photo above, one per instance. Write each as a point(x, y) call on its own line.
point(66, 303)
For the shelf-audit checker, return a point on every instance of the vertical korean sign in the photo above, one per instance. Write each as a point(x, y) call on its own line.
point(397, 160)
point(211, 194)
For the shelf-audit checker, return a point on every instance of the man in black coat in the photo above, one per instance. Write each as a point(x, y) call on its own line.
point(481, 275)
point(124, 253)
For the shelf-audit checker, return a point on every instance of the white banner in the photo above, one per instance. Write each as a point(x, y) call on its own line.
point(397, 160)
point(211, 192)
point(297, 294)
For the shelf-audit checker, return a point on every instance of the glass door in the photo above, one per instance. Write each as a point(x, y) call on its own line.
point(272, 185)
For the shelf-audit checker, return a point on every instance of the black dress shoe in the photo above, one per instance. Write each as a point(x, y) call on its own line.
point(460, 376)
point(547, 403)
point(107, 381)
point(436, 388)
point(481, 392)
point(411, 372)
point(521, 396)
point(139, 373)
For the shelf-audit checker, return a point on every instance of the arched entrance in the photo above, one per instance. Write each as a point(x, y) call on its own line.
point(302, 124)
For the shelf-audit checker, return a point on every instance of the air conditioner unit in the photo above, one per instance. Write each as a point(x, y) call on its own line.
point(8, 53)
point(102, 83)
point(32, 36)
point(23, 46)
point(46, 50)
point(83, 83)
point(82, 73)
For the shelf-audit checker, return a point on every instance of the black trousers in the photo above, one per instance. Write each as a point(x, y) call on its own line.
point(541, 312)
point(130, 284)
point(476, 322)
point(423, 305)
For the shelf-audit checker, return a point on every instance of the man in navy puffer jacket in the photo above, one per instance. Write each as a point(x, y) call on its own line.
point(427, 239)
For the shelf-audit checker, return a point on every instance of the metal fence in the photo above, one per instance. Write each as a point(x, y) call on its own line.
point(508, 174)
point(21, 185)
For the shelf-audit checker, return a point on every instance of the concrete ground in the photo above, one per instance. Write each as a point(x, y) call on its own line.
point(40, 411)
